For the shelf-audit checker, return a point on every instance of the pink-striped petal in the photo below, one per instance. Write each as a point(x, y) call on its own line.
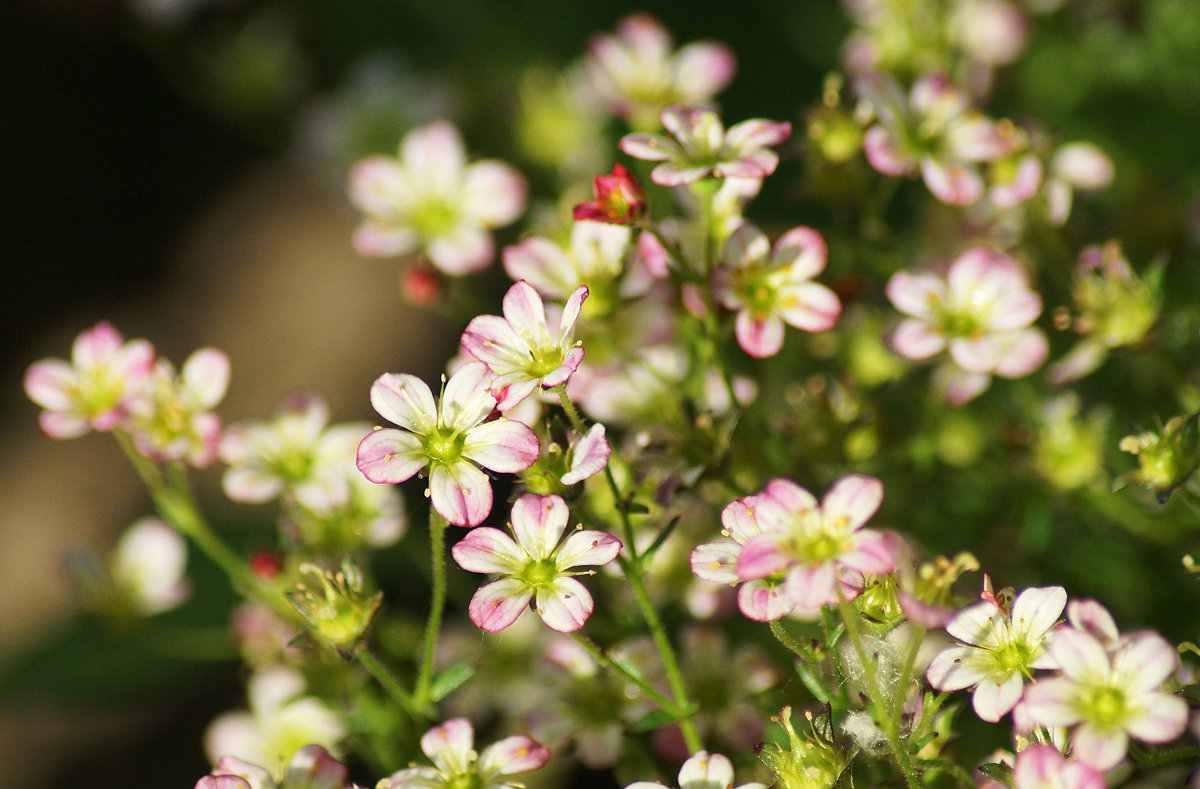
point(449, 746)
point(464, 251)
point(1100, 748)
point(851, 502)
point(587, 549)
point(516, 754)
point(716, 562)
point(405, 400)
point(916, 339)
point(762, 556)
point(499, 604)
point(565, 605)
point(1162, 717)
point(493, 192)
point(461, 493)
point(650, 147)
point(757, 133)
point(488, 550)
point(808, 306)
point(504, 445)
point(49, 384)
point(467, 400)
point(589, 456)
point(388, 456)
point(764, 601)
point(993, 699)
point(538, 522)
point(761, 337)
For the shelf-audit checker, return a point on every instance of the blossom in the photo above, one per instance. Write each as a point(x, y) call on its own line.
point(1109, 696)
point(430, 198)
point(702, 771)
point(1042, 766)
point(933, 131)
point(594, 257)
point(172, 420)
point(455, 763)
point(981, 313)
point(451, 439)
point(536, 566)
point(700, 147)
point(999, 648)
point(521, 348)
point(556, 469)
point(770, 286)
point(148, 567)
point(817, 547)
point(637, 74)
point(620, 199)
point(311, 767)
point(1075, 166)
point(94, 389)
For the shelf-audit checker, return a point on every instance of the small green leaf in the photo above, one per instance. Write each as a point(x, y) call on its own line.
point(997, 771)
point(655, 719)
point(449, 680)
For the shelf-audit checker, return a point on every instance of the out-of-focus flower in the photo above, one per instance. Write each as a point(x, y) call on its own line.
point(279, 722)
point(809, 761)
point(456, 764)
point(1108, 697)
point(312, 767)
point(818, 546)
point(538, 567)
point(1167, 457)
point(702, 771)
point(1075, 166)
point(430, 198)
point(1042, 766)
point(92, 391)
point(172, 420)
point(595, 259)
point(339, 612)
point(1000, 647)
point(148, 567)
point(637, 73)
point(451, 439)
point(700, 147)
point(980, 312)
point(770, 286)
point(933, 130)
point(521, 348)
point(619, 199)
point(1069, 451)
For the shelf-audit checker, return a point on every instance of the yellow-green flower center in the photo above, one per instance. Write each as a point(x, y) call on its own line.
point(540, 573)
point(1105, 706)
point(444, 445)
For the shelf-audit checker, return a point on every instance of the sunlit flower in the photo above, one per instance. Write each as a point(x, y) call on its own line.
point(92, 391)
point(538, 566)
point(638, 74)
point(770, 286)
point(981, 312)
point(173, 420)
point(1000, 647)
point(817, 547)
point(451, 439)
point(1109, 697)
point(702, 771)
point(595, 258)
point(312, 767)
point(430, 198)
point(521, 348)
point(456, 764)
point(619, 199)
point(700, 147)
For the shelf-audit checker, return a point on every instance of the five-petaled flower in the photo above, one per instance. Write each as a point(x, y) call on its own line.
point(702, 771)
point(1108, 696)
point(770, 286)
point(521, 348)
point(1000, 647)
point(700, 147)
point(538, 566)
point(312, 767)
point(1042, 766)
point(456, 764)
point(451, 439)
point(430, 198)
point(619, 199)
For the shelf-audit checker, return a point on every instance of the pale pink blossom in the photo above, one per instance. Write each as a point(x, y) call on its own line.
point(595, 257)
point(521, 348)
point(92, 391)
point(770, 286)
point(817, 547)
point(702, 771)
point(700, 147)
point(148, 567)
point(980, 312)
point(998, 649)
point(537, 567)
point(450, 439)
point(637, 72)
point(1075, 166)
point(1109, 697)
point(429, 198)
point(311, 767)
point(1042, 766)
point(451, 748)
point(173, 418)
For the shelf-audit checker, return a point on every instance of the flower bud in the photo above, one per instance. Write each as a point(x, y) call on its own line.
point(1167, 457)
point(337, 613)
point(811, 761)
point(620, 199)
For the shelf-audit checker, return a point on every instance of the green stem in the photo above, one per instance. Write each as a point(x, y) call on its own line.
point(579, 427)
point(633, 574)
point(785, 638)
point(437, 554)
point(387, 681)
point(627, 672)
point(882, 713)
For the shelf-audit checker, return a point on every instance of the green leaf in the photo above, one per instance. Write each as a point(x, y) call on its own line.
point(449, 680)
point(655, 719)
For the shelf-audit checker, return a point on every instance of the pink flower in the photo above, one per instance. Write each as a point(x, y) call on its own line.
point(94, 389)
point(636, 72)
point(699, 147)
point(455, 763)
point(1109, 697)
point(595, 258)
point(312, 767)
point(521, 349)
point(430, 198)
point(451, 439)
point(817, 546)
point(620, 199)
point(772, 286)
point(1044, 767)
point(537, 566)
point(172, 420)
point(999, 649)
point(981, 313)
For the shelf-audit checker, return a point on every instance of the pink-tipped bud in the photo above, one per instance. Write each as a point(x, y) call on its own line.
point(620, 199)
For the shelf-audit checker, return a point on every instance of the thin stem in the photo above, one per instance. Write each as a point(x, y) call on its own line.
point(786, 638)
point(387, 680)
point(625, 671)
point(437, 554)
point(887, 721)
point(579, 427)
point(633, 573)
point(910, 658)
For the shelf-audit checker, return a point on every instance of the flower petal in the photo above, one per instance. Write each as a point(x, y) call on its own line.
point(386, 456)
point(538, 522)
point(565, 605)
point(499, 604)
point(488, 550)
point(405, 400)
point(461, 493)
point(467, 400)
point(504, 445)
point(993, 698)
point(516, 754)
point(587, 549)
